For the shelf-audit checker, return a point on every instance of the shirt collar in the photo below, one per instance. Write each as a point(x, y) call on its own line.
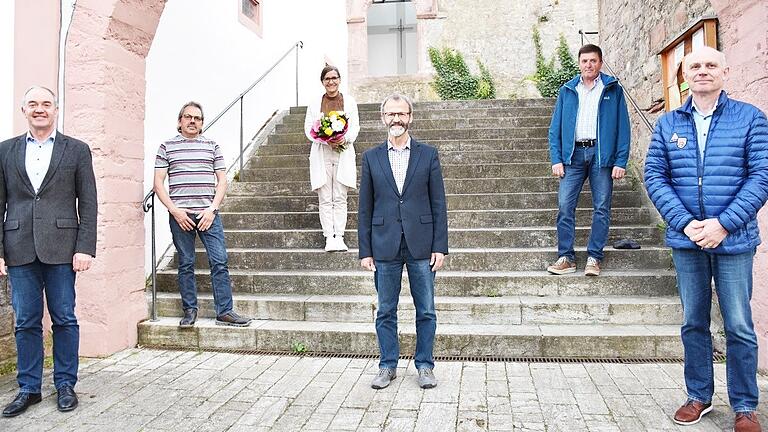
point(598, 81)
point(51, 138)
point(407, 145)
point(695, 109)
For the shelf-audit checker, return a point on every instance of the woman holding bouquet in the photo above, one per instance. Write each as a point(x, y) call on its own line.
point(332, 124)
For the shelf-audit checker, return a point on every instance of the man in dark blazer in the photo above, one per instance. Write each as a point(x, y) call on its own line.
point(402, 220)
point(48, 200)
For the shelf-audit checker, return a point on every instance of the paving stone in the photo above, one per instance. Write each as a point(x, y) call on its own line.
point(436, 416)
point(472, 421)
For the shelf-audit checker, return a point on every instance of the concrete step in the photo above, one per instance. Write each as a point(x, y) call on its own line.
point(437, 114)
point(460, 259)
point(449, 158)
point(512, 310)
point(450, 171)
point(457, 237)
point(429, 134)
point(592, 340)
point(303, 148)
point(458, 105)
point(489, 201)
point(297, 125)
point(463, 186)
point(355, 281)
point(510, 218)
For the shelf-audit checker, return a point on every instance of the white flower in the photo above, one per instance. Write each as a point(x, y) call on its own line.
point(337, 126)
point(333, 118)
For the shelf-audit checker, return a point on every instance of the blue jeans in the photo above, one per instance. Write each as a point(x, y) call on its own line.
point(216, 249)
point(733, 282)
point(28, 282)
point(584, 165)
point(422, 282)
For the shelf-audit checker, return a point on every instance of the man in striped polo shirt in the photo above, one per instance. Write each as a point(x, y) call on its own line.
point(197, 182)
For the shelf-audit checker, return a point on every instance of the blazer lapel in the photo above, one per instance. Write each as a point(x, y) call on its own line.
point(413, 161)
point(21, 162)
point(386, 167)
point(59, 145)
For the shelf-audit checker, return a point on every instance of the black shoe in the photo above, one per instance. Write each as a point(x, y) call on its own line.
point(67, 399)
point(232, 319)
point(190, 316)
point(21, 403)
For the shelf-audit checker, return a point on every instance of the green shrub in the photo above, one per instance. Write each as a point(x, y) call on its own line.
point(453, 79)
point(548, 78)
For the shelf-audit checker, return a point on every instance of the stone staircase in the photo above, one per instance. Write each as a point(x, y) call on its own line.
point(493, 298)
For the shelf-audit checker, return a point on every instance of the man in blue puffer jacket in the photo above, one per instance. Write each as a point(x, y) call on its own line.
point(707, 174)
point(589, 137)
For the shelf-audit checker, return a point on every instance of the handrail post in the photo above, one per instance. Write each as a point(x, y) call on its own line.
point(154, 264)
point(241, 135)
point(297, 73)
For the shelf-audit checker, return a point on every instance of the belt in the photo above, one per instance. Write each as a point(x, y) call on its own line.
point(586, 143)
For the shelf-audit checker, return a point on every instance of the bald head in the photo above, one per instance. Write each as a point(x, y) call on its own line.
point(705, 53)
point(705, 71)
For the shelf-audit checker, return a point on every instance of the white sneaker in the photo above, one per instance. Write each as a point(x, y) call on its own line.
point(329, 244)
point(340, 245)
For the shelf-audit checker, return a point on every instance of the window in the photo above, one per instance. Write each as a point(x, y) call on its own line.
point(702, 33)
point(250, 15)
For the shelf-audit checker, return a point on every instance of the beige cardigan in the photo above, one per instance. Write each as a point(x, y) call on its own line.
point(346, 173)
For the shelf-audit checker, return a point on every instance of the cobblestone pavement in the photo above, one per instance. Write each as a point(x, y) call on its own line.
point(153, 390)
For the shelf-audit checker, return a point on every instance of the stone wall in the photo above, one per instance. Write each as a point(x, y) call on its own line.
point(632, 36)
point(497, 33)
point(7, 342)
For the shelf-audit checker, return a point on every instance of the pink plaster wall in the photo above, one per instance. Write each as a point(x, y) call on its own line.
point(104, 79)
point(744, 39)
point(36, 51)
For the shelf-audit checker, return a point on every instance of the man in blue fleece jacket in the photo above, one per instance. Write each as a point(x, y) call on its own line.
point(707, 174)
point(589, 137)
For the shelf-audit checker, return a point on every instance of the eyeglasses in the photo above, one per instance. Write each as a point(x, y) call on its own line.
point(189, 117)
point(392, 115)
point(329, 79)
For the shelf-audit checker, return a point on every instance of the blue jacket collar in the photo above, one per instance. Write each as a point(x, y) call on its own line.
point(687, 107)
point(608, 80)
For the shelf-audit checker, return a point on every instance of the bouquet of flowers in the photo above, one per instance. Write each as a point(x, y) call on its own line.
point(331, 128)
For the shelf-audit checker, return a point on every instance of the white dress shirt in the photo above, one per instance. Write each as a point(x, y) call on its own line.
point(589, 102)
point(38, 158)
point(398, 160)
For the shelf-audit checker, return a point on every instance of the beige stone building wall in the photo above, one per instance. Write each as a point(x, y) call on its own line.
point(497, 33)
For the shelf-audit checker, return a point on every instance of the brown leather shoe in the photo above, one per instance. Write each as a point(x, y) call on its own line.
point(592, 268)
point(562, 266)
point(691, 412)
point(746, 422)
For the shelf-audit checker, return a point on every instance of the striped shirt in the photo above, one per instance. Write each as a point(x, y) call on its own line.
point(589, 102)
point(398, 160)
point(192, 166)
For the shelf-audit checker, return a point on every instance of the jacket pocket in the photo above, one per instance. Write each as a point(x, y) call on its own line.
point(377, 220)
point(10, 225)
point(426, 219)
point(67, 223)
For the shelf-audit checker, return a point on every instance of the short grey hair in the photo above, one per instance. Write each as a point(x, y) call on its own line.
point(34, 87)
point(397, 97)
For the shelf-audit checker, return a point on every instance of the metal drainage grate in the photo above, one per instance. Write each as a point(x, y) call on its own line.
point(716, 357)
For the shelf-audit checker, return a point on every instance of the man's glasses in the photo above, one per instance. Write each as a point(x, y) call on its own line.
point(189, 117)
point(329, 79)
point(392, 115)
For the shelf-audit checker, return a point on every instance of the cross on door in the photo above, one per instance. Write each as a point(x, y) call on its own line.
point(401, 29)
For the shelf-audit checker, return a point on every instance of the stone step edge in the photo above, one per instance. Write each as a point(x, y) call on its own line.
point(541, 330)
point(505, 210)
point(450, 229)
point(452, 250)
point(457, 300)
point(605, 273)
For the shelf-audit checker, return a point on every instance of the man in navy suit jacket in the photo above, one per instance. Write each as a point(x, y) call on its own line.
point(402, 220)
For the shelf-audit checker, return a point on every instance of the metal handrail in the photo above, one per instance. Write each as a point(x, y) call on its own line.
point(149, 199)
point(626, 92)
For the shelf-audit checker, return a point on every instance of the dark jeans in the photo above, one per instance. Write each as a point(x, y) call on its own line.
point(216, 249)
point(584, 165)
point(733, 282)
point(28, 283)
point(388, 278)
